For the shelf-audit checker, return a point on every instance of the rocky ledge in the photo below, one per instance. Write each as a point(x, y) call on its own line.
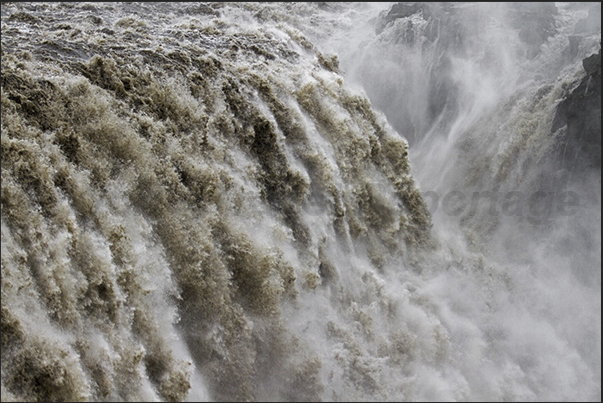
point(580, 113)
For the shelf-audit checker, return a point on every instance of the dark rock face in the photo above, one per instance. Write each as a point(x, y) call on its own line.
point(402, 10)
point(580, 113)
point(442, 18)
point(535, 21)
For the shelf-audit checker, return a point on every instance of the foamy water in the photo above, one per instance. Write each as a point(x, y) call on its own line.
point(218, 201)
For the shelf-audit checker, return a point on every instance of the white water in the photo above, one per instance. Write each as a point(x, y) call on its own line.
point(225, 295)
point(529, 314)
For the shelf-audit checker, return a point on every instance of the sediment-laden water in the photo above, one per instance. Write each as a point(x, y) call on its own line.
point(300, 202)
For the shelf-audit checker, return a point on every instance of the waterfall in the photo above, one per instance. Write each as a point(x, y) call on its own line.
point(300, 202)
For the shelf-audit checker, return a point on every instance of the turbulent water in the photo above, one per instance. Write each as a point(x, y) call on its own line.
point(297, 202)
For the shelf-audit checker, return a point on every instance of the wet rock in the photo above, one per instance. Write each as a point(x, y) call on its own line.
point(434, 13)
point(401, 10)
point(534, 20)
point(580, 114)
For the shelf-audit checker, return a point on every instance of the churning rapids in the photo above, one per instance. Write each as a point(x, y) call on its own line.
point(301, 201)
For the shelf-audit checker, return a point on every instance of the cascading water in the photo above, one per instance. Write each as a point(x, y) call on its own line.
point(217, 201)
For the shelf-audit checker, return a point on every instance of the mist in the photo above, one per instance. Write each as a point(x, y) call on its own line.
point(301, 202)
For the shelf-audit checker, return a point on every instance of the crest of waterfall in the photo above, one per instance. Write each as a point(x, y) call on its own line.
point(230, 201)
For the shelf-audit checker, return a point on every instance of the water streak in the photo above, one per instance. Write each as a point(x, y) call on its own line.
point(218, 201)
